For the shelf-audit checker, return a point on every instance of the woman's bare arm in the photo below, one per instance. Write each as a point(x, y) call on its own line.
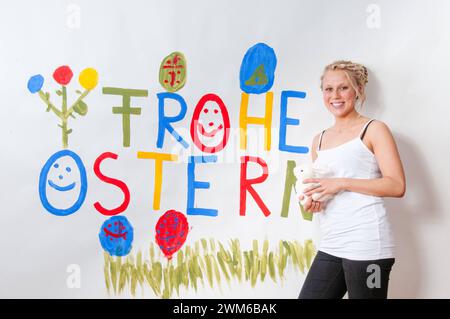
point(392, 183)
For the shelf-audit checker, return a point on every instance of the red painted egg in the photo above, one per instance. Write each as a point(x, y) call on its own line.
point(171, 232)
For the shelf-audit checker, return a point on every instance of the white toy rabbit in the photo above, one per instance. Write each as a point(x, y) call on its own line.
point(307, 170)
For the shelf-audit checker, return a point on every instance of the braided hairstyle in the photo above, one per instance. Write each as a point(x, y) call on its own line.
point(356, 73)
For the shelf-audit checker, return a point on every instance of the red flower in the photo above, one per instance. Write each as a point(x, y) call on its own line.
point(63, 75)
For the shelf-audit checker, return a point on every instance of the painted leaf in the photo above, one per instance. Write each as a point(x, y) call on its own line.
point(157, 272)
point(216, 269)
point(171, 275)
point(106, 274)
point(247, 265)
point(180, 258)
point(113, 271)
point(205, 245)
point(263, 265)
point(122, 278)
point(151, 282)
point(192, 275)
point(223, 267)
point(209, 270)
point(255, 272)
point(272, 267)
point(299, 253)
point(151, 253)
point(212, 244)
point(255, 247)
point(166, 291)
point(81, 108)
point(134, 279)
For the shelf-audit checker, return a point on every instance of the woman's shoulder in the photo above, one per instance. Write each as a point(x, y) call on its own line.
point(316, 138)
point(378, 131)
point(315, 143)
point(378, 126)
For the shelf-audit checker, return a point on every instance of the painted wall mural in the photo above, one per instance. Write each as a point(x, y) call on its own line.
point(205, 263)
point(88, 79)
point(169, 264)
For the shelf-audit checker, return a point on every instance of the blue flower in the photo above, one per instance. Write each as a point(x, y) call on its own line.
point(35, 83)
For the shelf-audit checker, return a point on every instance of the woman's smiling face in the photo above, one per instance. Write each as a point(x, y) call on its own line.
point(338, 93)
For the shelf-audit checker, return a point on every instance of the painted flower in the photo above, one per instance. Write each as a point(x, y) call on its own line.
point(35, 83)
point(88, 78)
point(63, 75)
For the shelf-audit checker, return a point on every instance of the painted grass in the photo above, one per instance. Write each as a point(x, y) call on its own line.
point(206, 263)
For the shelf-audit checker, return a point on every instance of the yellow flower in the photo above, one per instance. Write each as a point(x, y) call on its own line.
point(88, 78)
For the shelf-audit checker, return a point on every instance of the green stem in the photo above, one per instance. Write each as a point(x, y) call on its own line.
point(82, 96)
point(64, 118)
point(49, 104)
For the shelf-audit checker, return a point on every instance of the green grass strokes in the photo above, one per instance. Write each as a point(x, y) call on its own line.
point(205, 263)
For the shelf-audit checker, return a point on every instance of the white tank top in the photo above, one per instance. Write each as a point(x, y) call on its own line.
point(354, 225)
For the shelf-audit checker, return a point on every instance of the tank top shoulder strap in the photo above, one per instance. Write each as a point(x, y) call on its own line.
point(363, 131)
point(320, 140)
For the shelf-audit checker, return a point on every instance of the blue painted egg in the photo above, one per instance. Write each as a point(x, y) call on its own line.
point(116, 236)
point(258, 69)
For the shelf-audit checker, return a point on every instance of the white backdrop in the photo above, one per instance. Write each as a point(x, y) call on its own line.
point(405, 44)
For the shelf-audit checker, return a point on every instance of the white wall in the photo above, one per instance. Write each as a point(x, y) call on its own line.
point(407, 55)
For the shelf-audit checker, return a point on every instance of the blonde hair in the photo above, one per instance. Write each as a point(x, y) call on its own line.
point(356, 73)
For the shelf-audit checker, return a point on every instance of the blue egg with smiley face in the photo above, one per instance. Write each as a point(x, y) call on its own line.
point(63, 183)
point(116, 236)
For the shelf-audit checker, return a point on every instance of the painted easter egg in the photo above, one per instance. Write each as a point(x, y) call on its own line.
point(258, 69)
point(63, 183)
point(210, 124)
point(172, 72)
point(171, 232)
point(116, 236)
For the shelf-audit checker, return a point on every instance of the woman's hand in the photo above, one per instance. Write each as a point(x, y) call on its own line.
point(311, 206)
point(325, 186)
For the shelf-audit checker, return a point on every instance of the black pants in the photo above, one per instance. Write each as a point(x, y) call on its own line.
point(331, 277)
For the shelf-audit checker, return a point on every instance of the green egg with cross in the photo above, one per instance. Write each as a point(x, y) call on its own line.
point(172, 72)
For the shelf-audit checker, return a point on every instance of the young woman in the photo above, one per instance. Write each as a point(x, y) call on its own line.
point(356, 251)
